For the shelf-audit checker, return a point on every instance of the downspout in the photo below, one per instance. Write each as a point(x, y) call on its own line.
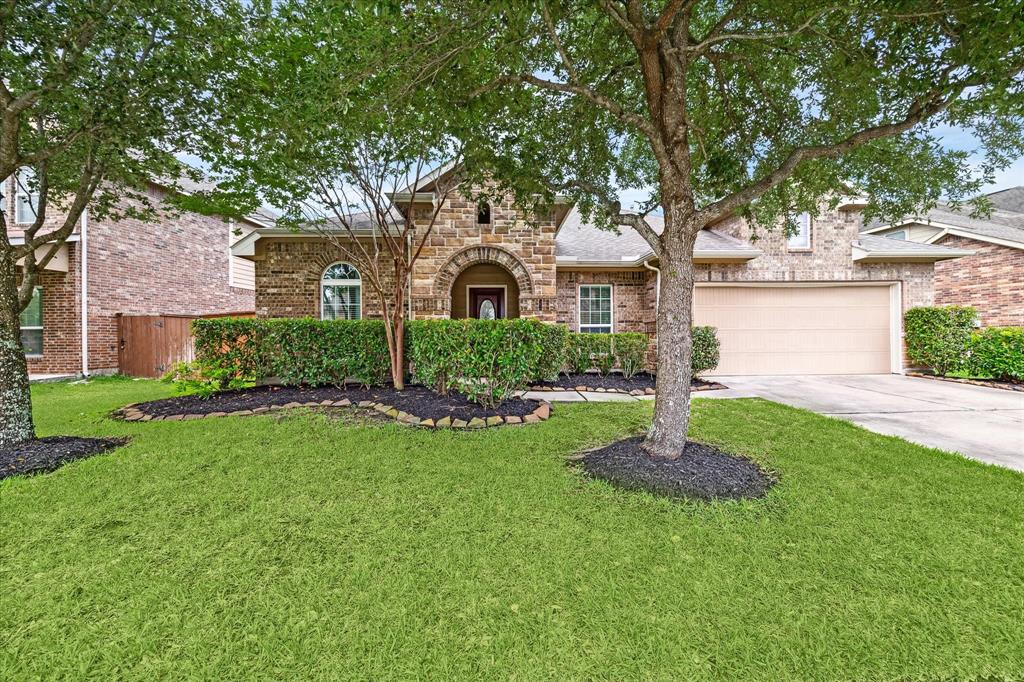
point(84, 264)
point(657, 284)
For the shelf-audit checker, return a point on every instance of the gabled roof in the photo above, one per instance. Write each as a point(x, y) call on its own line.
point(1003, 226)
point(870, 248)
point(584, 244)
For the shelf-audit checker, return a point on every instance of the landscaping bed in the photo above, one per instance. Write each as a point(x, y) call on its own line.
point(414, 405)
point(47, 454)
point(702, 472)
point(642, 383)
point(990, 383)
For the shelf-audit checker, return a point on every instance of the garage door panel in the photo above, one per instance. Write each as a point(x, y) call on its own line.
point(792, 329)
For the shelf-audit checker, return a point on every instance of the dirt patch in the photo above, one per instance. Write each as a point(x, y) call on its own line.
point(414, 400)
point(46, 454)
point(615, 383)
point(702, 473)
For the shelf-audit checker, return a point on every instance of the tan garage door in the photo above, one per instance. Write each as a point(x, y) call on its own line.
point(794, 329)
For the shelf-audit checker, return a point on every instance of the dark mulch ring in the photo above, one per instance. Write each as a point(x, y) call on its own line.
point(990, 383)
point(46, 454)
point(703, 472)
point(615, 382)
point(415, 402)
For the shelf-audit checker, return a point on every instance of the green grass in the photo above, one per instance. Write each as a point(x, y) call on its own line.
point(306, 547)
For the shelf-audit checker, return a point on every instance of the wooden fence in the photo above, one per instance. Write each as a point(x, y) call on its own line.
point(149, 345)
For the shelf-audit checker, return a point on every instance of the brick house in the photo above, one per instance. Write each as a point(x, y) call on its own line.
point(991, 279)
point(175, 265)
point(828, 300)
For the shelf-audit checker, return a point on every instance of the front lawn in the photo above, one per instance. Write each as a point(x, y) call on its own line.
point(305, 546)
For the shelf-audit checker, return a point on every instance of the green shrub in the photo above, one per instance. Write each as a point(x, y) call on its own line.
point(705, 349)
point(488, 360)
point(631, 352)
point(938, 337)
point(555, 355)
point(297, 351)
point(998, 352)
point(200, 379)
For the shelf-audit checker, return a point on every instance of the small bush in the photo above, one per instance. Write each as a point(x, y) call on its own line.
point(631, 351)
point(938, 337)
point(556, 348)
point(488, 360)
point(998, 352)
point(706, 350)
point(201, 379)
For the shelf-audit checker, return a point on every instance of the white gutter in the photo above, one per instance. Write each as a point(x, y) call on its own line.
point(84, 264)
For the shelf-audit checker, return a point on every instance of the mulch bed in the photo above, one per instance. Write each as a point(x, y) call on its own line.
point(990, 383)
point(639, 384)
point(46, 454)
point(703, 472)
point(414, 405)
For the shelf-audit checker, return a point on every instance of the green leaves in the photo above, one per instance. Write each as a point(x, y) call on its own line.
point(937, 337)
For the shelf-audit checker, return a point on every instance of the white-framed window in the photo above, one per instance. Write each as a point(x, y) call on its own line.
point(31, 323)
point(595, 308)
point(341, 291)
point(801, 239)
point(898, 234)
point(26, 199)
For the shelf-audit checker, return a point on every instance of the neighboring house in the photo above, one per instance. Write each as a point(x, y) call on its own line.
point(175, 265)
point(992, 278)
point(828, 300)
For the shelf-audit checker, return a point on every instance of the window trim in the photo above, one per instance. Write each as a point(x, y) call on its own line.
point(809, 246)
point(37, 289)
point(340, 283)
point(579, 309)
point(33, 199)
point(892, 235)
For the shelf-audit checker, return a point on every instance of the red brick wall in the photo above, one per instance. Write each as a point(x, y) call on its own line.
point(992, 281)
point(62, 351)
point(176, 264)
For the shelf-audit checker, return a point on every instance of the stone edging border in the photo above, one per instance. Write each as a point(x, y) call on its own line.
point(1003, 386)
point(132, 413)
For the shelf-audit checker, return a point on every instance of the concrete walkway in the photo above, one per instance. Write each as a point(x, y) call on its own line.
point(983, 423)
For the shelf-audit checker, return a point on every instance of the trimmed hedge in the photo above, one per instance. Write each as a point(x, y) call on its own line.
point(628, 351)
point(937, 337)
point(297, 351)
point(998, 352)
point(488, 360)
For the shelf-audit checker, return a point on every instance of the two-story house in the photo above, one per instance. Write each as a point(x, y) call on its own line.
point(827, 300)
point(177, 264)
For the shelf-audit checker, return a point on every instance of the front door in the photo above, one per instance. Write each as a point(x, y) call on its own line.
point(487, 303)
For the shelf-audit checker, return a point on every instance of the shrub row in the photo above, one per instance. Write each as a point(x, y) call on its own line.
point(944, 339)
point(486, 359)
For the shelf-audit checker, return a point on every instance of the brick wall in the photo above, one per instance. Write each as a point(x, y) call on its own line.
point(633, 297)
point(177, 264)
point(992, 281)
point(288, 273)
point(62, 350)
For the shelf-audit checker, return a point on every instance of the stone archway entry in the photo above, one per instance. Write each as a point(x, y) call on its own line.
point(483, 273)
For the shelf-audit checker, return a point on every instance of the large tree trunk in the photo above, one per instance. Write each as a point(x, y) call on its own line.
point(667, 435)
point(15, 400)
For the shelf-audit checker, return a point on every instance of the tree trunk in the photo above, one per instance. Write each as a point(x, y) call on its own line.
point(398, 353)
point(667, 435)
point(15, 400)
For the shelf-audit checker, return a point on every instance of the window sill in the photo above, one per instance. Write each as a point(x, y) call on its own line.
point(802, 249)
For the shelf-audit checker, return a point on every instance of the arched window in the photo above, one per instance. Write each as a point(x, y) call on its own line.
point(341, 293)
point(483, 213)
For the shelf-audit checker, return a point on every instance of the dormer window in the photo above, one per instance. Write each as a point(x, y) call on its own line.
point(483, 213)
point(801, 239)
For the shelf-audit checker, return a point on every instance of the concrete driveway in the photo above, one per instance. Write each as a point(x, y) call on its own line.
point(986, 424)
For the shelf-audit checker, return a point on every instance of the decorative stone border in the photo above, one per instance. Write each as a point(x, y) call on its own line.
point(1002, 385)
point(132, 413)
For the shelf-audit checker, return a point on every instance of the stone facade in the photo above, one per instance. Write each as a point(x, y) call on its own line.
point(176, 264)
point(288, 270)
point(991, 281)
